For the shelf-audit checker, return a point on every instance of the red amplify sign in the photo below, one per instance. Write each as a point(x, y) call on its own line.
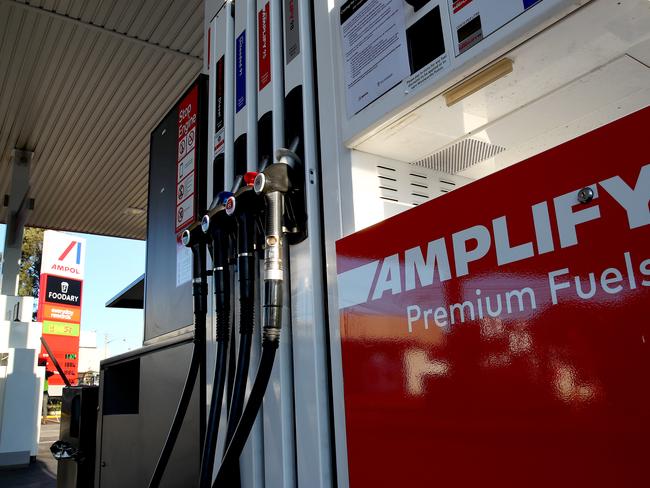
point(499, 335)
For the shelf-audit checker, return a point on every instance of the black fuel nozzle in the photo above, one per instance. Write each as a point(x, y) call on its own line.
point(194, 238)
point(219, 227)
point(246, 207)
point(286, 176)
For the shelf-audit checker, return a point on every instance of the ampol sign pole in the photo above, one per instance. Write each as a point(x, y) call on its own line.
point(59, 301)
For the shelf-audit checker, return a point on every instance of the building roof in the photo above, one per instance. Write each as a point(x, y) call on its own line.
point(82, 85)
point(131, 296)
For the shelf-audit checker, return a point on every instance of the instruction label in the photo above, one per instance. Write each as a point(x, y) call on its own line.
point(186, 159)
point(375, 53)
point(431, 70)
point(183, 264)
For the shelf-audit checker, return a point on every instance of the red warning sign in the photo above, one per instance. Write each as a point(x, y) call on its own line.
point(186, 159)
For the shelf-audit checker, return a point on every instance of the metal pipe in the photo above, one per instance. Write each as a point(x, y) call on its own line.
point(56, 363)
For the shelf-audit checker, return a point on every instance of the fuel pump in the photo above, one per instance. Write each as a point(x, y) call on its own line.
point(245, 207)
point(193, 238)
point(219, 227)
point(280, 185)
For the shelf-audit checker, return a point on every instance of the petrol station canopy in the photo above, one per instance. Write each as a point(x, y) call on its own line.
point(82, 85)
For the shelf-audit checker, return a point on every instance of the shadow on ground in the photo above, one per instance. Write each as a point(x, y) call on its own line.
point(42, 472)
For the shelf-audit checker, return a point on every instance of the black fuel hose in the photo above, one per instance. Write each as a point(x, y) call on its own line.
point(221, 276)
point(240, 436)
point(270, 343)
point(199, 293)
point(210, 445)
point(232, 362)
point(273, 301)
point(239, 390)
point(246, 266)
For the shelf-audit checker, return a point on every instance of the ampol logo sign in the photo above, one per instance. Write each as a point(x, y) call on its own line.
point(63, 255)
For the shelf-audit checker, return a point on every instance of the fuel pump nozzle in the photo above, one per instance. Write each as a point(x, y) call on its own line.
point(246, 208)
point(219, 228)
point(274, 183)
point(193, 238)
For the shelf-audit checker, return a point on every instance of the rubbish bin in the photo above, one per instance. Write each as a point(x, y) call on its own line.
point(75, 449)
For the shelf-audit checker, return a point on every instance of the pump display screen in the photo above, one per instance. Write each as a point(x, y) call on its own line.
point(499, 335)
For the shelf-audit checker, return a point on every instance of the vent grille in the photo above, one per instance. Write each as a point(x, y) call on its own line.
point(460, 156)
point(407, 185)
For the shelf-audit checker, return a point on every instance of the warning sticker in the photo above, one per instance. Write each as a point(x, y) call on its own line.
point(185, 189)
point(184, 213)
point(191, 140)
point(185, 167)
point(186, 159)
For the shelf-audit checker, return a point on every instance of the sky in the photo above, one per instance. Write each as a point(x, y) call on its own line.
point(111, 265)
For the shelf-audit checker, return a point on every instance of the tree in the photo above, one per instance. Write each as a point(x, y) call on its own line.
point(30, 262)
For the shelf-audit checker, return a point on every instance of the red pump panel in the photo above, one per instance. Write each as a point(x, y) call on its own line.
point(500, 335)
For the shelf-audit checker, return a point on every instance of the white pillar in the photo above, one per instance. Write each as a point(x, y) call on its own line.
point(18, 206)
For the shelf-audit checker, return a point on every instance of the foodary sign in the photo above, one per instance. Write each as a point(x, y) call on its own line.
point(63, 290)
point(60, 297)
point(474, 326)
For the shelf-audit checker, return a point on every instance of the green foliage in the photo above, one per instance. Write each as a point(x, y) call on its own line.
point(30, 262)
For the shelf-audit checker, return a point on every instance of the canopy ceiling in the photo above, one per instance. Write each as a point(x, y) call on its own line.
point(82, 85)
